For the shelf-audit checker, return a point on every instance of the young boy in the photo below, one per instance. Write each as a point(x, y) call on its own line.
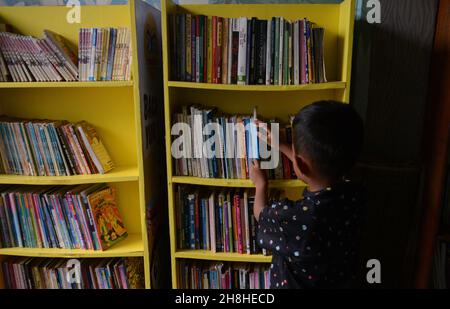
point(314, 240)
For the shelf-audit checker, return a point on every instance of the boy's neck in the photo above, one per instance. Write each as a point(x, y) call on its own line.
point(319, 185)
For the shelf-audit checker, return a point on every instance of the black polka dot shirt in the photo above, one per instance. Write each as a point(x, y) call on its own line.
point(314, 240)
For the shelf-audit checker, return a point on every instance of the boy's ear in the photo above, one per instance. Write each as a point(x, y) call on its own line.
point(301, 167)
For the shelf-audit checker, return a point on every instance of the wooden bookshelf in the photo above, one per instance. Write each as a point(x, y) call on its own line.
point(322, 86)
point(220, 256)
point(118, 174)
point(234, 183)
point(115, 108)
point(130, 246)
point(98, 84)
point(272, 101)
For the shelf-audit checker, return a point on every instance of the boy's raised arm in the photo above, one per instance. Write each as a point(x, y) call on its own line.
point(260, 181)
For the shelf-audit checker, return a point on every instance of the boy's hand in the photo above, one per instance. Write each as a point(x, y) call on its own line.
point(257, 175)
point(265, 135)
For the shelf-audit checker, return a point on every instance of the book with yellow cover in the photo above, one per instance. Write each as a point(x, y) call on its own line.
point(135, 271)
point(95, 147)
point(108, 222)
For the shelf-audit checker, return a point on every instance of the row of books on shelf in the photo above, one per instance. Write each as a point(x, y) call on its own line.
point(34, 147)
point(235, 142)
point(103, 54)
point(74, 217)
point(207, 275)
point(26, 59)
point(218, 220)
point(246, 51)
point(49, 273)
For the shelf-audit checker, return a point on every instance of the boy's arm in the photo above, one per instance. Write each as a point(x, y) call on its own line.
point(260, 201)
point(260, 181)
point(287, 150)
point(266, 136)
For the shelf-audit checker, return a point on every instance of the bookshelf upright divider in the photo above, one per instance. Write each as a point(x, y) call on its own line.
point(114, 108)
point(272, 101)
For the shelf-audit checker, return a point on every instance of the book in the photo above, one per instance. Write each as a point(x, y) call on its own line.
point(242, 51)
point(94, 145)
point(109, 224)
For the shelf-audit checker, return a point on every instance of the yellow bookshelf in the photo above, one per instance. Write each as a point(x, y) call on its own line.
point(115, 108)
point(272, 101)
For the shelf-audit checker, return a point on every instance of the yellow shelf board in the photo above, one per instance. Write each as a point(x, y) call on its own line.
point(237, 183)
point(98, 84)
point(222, 256)
point(118, 174)
point(130, 246)
point(308, 87)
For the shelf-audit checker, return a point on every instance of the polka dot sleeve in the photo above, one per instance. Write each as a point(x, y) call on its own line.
point(284, 226)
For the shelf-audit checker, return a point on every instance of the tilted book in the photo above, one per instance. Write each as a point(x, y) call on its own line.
point(108, 222)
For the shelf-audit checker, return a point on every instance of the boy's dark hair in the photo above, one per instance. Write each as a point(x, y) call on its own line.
point(331, 134)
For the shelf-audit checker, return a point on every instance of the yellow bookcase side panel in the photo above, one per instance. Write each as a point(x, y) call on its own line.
point(345, 45)
point(168, 7)
point(140, 192)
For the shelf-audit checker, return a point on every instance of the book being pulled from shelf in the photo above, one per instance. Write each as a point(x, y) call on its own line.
point(245, 51)
point(28, 59)
point(51, 148)
point(219, 275)
point(235, 144)
point(48, 273)
point(218, 220)
point(104, 54)
point(74, 217)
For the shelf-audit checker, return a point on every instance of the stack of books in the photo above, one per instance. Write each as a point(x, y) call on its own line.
point(246, 51)
point(234, 143)
point(51, 148)
point(104, 54)
point(43, 273)
point(220, 221)
point(198, 275)
point(78, 217)
point(28, 59)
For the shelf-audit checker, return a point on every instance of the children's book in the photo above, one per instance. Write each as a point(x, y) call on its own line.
point(109, 223)
point(95, 147)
